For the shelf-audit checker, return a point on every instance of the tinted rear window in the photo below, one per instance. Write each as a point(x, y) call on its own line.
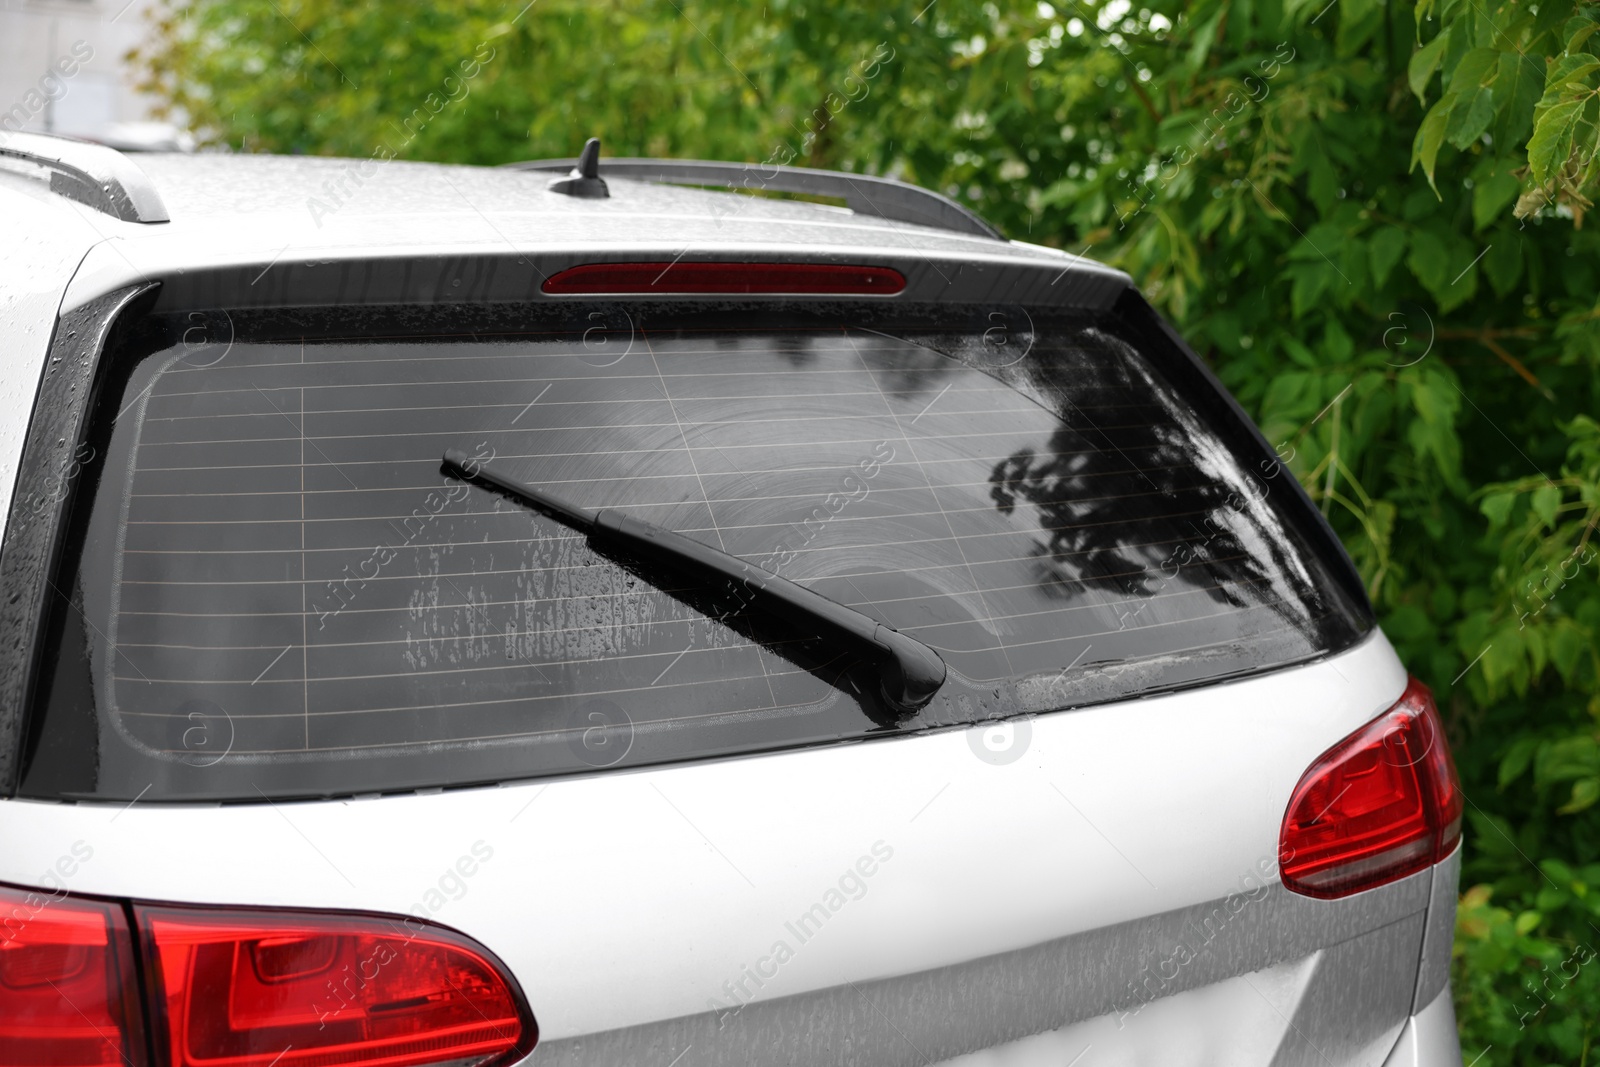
point(276, 591)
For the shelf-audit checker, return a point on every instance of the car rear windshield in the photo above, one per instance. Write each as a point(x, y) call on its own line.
point(275, 590)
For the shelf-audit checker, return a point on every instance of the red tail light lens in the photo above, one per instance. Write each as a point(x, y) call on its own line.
point(671, 277)
point(253, 989)
point(68, 995)
point(1381, 804)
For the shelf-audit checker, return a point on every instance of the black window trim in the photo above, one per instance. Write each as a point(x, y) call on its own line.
point(41, 499)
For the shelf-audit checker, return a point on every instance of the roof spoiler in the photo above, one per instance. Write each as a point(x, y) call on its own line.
point(865, 195)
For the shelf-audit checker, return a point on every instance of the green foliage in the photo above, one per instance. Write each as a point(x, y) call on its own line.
point(1517, 68)
point(1366, 216)
point(1526, 983)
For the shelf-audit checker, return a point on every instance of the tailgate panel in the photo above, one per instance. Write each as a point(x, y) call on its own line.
point(964, 901)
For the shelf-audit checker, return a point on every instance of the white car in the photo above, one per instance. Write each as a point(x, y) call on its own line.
point(464, 616)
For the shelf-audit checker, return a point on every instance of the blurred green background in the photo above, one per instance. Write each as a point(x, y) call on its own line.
point(1367, 216)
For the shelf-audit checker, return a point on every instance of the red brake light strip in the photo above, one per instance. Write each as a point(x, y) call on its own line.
point(731, 278)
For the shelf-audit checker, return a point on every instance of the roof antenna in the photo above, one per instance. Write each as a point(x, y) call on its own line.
point(585, 180)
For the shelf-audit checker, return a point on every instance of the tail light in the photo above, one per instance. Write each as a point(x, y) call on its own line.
point(675, 277)
point(1381, 804)
point(248, 988)
point(68, 994)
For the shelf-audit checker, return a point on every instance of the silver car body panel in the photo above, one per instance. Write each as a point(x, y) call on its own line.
point(1434, 975)
point(1429, 1038)
point(1014, 899)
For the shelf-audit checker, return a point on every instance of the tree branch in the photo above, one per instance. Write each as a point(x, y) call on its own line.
point(1516, 364)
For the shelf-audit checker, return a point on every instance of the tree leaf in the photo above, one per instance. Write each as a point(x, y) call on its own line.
point(1504, 663)
point(1492, 835)
point(1566, 73)
point(1291, 393)
point(1204, 38)
point(1461, 286)
point(1436, 401)
point(1429, 260)
point(1497, 507)
point(1567, 760)
point(1337, 343)
point(1430, 136)
point(1311, 280)
point(1300, 353)
point(1558, 872)
point(1491, 195)
point(1551, 142)
point(1516, 90)
point(1546, 500)
point(1384, 249)
point(1424, 61)
point(1568, 643)
point(1516, 759)
point(1502, 263)
point(1358, 21)
point(1470, 117)
point(1585, 791)
point(1578, 31)
point(1476, 70)
point(1552, 13)
point(1533, 640)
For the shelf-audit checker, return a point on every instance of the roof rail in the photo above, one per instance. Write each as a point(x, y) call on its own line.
point(92, 174)
point(865, 195)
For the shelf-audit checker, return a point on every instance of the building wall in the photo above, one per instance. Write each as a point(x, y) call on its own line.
point(62, 68)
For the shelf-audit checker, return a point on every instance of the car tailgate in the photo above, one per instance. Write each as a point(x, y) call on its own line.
point(902, 901)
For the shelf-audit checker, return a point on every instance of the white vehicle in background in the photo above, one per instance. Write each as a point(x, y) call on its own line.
point(527, 616)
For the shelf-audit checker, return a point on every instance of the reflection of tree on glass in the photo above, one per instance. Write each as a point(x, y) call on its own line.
point(1136, 494)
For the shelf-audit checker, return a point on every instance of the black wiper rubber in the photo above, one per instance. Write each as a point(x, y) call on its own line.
point(911, 672)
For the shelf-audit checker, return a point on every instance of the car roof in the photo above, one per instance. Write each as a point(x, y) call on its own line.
point(361, 199)
point(236, 207)
point(242, 230)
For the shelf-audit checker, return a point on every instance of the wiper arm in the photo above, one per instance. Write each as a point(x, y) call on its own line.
point(911, 672)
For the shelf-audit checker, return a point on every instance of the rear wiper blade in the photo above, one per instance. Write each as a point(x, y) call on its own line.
point(910, 671)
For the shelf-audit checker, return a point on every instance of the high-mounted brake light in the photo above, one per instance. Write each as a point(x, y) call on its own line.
point(1381, 804)
point(251, 989)
point(676, 278)
point(68, 995)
